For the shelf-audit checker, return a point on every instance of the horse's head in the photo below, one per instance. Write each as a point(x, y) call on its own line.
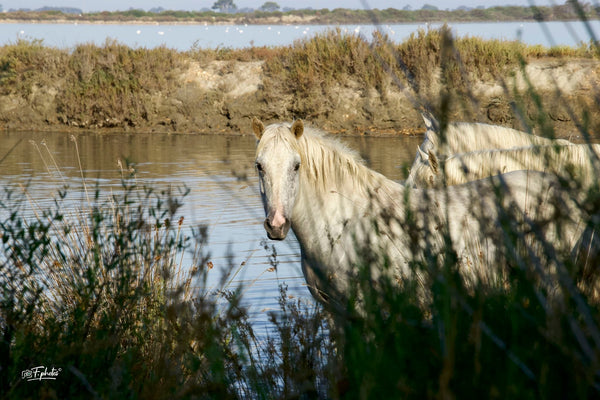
point(278, 163)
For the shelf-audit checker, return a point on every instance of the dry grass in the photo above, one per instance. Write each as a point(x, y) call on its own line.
point(116, 83)
point(25, 64)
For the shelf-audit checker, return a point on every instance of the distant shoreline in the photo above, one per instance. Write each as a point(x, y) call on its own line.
point(204, 22)
point(235, 22)
point(107, 22)
point(304, 16)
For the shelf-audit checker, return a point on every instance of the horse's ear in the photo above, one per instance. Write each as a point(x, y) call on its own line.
point(423, 155)
point(431, 123)
point(433, 161)
point(427, 118)
point(298, 128)
point(257, 127)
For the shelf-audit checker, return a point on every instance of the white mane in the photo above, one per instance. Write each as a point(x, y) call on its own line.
point(328, 164)
point(463, 137)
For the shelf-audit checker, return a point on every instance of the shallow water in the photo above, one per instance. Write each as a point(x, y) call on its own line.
point(184, 37)
point(219, 172)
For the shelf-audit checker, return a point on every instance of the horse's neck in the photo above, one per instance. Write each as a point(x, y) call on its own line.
point(334, 170)
point(344, 190)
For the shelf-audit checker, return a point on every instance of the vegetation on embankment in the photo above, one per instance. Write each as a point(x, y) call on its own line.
point(340, 82)
point(564, 12)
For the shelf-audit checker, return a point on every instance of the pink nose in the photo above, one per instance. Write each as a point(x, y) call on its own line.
point(277, 226)
point(278, 219)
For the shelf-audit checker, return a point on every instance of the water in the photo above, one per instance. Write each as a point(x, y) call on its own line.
point(218, 170)
point(184, 37)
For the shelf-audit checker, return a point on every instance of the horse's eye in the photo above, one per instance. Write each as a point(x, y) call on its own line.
point(259, 166)
point(296, 166)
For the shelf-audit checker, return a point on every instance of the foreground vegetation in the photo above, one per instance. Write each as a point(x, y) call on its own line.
point(339, 81)
point(101, 297)
point(564, 12)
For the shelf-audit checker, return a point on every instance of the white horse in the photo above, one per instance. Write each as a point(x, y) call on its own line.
point(573, 161)
point(345, 215)
point(465, 137)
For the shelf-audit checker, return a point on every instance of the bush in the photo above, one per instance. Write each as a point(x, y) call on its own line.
point(114, 84)
point(104, 299)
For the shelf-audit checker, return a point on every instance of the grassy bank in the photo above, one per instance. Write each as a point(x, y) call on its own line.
point(309, 16)
point(339, 81)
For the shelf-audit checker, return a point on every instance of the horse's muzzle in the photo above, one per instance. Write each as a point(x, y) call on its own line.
point(277, 232)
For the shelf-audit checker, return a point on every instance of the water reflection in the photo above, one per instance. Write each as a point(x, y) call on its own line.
point(219, 172)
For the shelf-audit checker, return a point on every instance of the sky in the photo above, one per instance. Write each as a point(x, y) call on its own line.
point(112, 5)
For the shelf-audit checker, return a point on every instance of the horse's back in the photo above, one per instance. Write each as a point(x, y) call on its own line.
point(580, 160)
point(478, 210)
point(463, 137)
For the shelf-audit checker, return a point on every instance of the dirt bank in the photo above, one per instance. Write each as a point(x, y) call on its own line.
point(222, 96)
point(228, 94)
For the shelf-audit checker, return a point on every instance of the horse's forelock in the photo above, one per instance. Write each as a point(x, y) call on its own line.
point(278, 133)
